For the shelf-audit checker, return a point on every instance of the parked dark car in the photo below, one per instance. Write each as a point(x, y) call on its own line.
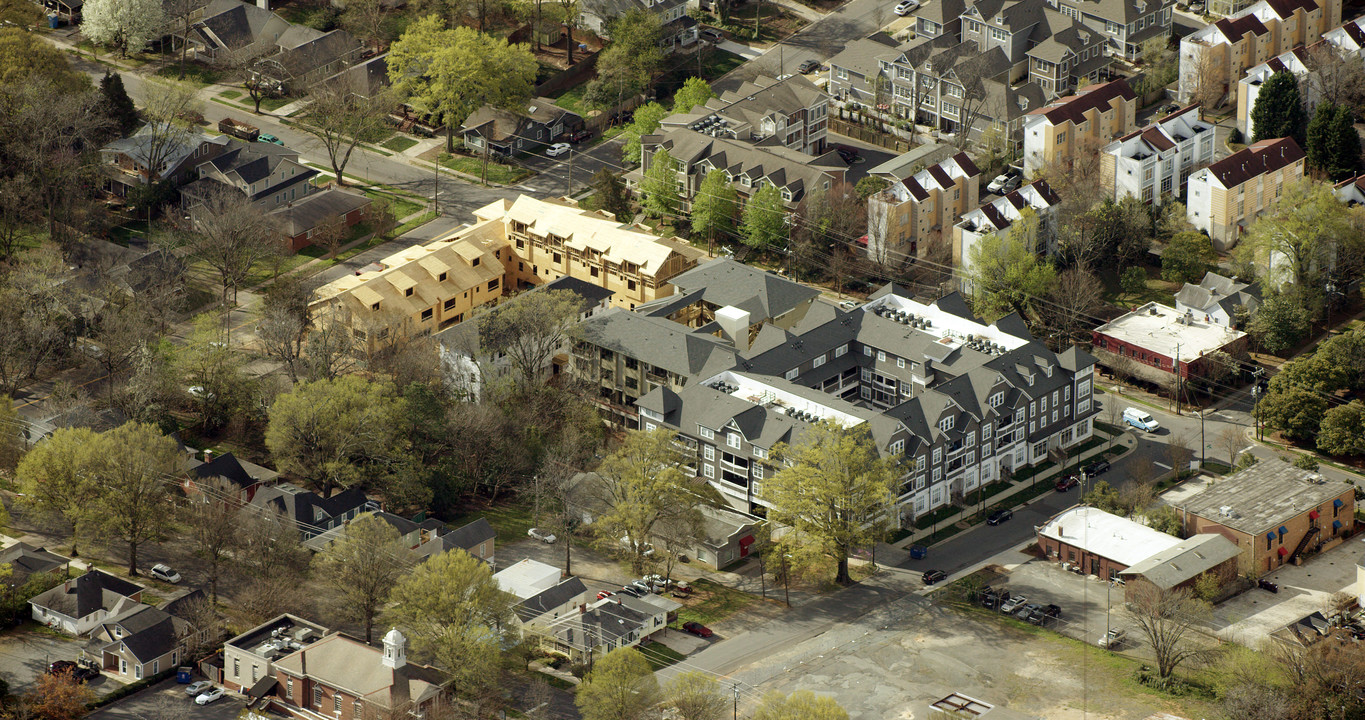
point(932, 576)
point(628, 590)
point(847, 154)
point(697, 629)
point(1097, 468)
point(808, 66)
point(712, 35)
point(999, 516)
point(1267, 585)
point(1038, 616)
point(580, 136)
point(1053, 611)
point(994, 598)
point(81, 673)
point(1066, 483)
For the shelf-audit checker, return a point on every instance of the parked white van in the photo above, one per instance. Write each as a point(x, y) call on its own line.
point(1140, 419)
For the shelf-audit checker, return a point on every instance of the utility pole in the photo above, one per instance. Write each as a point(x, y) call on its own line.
point(736, 701)
point(436, 191)
point(570, 194)
point(1176, 393)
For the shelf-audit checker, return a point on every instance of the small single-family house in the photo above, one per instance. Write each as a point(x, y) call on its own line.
point(310, 512)
point(26, 561)
point(146, 640)
point(79, 605)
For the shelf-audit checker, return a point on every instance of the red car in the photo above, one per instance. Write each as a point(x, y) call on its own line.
point(1067, 483)
point(697, 629)
point(605, 594)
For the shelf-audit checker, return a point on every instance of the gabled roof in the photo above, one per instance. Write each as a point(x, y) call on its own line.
point(1185, 561)
point(25, 560)
point(659, 342)
point(1094, 97)
point(313, 209)
point(227, 467)
point(1216, 291)
point(252, 162)
point(347, 663)
point(764, 295)
point(307, 509)
point(86, 594)
point(500, 124)
point(174, 149)
point(1258, 159)
point(549, 599)
point(469, 535)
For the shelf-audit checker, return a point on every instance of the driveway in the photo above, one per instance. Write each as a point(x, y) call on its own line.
point(25, 653)
point(1083, 601)
point(1251, 617)
point(149, 702)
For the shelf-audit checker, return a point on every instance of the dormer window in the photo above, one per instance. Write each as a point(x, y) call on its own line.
point(946, 424)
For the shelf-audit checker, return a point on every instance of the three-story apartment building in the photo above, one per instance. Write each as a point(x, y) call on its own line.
point(1214, 58)
point(1154, 162)
point(1078, 124)
point(1130, 27)
point(792, 113)
point(999, 215)
point(919, 208)
point(1346, 43)
point(1225, 197)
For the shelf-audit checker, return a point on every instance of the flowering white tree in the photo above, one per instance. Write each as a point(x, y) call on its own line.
point(123, 24)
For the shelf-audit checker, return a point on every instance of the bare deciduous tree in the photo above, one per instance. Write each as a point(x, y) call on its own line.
point(1231, 438)
point(1168, 620)
point(342, 120)
point(1075, 298)
point(210, 520)
point(231, 235)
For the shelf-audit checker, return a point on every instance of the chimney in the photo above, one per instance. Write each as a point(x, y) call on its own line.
point(735, 323)
point(208, 455)
point(303, 662)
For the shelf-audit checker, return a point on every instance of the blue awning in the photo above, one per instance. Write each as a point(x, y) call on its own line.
point(1284, 530)
point(1337, 503)
point(1270, 536)
point(1336, 524)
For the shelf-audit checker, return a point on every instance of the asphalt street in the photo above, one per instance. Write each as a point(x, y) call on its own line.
point(818, 41)
point(570, 173)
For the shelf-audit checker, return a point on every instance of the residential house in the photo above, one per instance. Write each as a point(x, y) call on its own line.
point(232, 31)
point(748, 167)
point(546, 607)
point(527, 578)
point(679, 30)
point(465, 361)
point(972, 82)
point(1274, 513)
point(1130, 27)
point(615, 622)
point(1214, 58)
point(958, 403)
point(1351, 190)
point(249, 658)
point(507, 131)
point(271, 176)
point(127, 162)
point(410, 532)
point(1182, 565)
point(26, 562)
point(1154, 162)
point(1221, 300)
point(477, 538)
point(1154, 340)
point(235, 475)
point(310, 513)
point(1000, 214)
point(341, 677)
point(1226, 197)
point(912, 214)
point(792, 112)
point(416, 291)
point(145, 641)
point(1345, 43)
point(302, 221)
point(940, 18)
point(1078, 125)
point(305, 57)
point(80, 604)
point(726, 537)
point(366, 79)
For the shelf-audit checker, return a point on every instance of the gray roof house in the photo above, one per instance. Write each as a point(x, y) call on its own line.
point(127, 161)
point(25, 561)
point(1182, 564)
point(310, 513)
point(234, 31)
point(1218, 299)
point(307, 56)
point(80, 604)
point(146, 640)
point(507, 131)
point(679, 30)
point(766, 112)
point(270, 175)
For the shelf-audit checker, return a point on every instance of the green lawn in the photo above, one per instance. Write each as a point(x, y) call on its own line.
point(270, 104)
point(230, 94)
point(497, 173)
point(398, 143)
point(510, 518)
point(719, 62)
point(195, 73)
point(402, 207)
point(572, 100)
point(660, 655)
point(712, 602)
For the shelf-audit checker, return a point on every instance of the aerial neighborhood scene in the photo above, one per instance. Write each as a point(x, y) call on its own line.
point(682, 359)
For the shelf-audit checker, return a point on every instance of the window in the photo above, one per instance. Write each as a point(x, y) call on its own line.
point(985, 432)
point(732, 439)
point(289, 688)
point(971, 439)
point(493, 284)
point(236, 667)
point(758, 474)
point(336, 702)
point(997, 399)
point(881, 356)
point(938, 474)
point(317, 696)
point(818, 361)
point(709, 452)
point(938, 455)
point(946, 424)
point(900, 362)
point(137, 671)
point(1043, 401)
point(407, 293)
point(426, 314)
point(792, 373)
point(867, 350)
point(999, 35)
point(841, 351)
point(357, 709)
point(1061, 138)
point(898, 447)
point(760, 452)
point(708, 471)
point(919, 463)
point(706, 432)
point(156, 668)
point(255, 673)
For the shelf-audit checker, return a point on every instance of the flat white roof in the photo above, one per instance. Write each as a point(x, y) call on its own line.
point(527, 578)
point(1154, 327)
point(949, 328)
point(1107, 535)
point(761, 393)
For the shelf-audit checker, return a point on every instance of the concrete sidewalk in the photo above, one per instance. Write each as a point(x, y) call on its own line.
point(744, 51)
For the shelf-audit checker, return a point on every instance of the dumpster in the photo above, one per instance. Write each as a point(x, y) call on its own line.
point(184, 675)
point(917, 552)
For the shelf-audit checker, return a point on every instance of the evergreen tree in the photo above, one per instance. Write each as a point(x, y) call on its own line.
point(611, 194)
point(1319, 137)
point(1279, 110)
point(1343, 155)
point(117, 104)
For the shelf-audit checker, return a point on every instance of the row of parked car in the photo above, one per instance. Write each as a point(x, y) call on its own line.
point(1018, 606)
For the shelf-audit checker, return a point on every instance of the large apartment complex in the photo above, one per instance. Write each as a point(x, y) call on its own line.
point(1154, 162)
point(792, 113)
point(1225, 197)
point(1076, 125)
point(1214, 58)
point(512, 245)
point(957, 402)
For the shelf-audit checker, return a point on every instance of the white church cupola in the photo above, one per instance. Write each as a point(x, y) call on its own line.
point(395, 649)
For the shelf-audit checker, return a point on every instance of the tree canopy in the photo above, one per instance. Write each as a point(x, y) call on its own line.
point(621, 686)
point(1187, 257)
point(764, 224)
point(334, 432)
point(714, 207)
point(659, 187)
point(1007, 273)
point(1279, 109)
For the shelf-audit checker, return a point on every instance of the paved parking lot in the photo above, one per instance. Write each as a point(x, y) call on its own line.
point(153, 701)
point(1250, 617)
point(25, 653)
point(1083, 601)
